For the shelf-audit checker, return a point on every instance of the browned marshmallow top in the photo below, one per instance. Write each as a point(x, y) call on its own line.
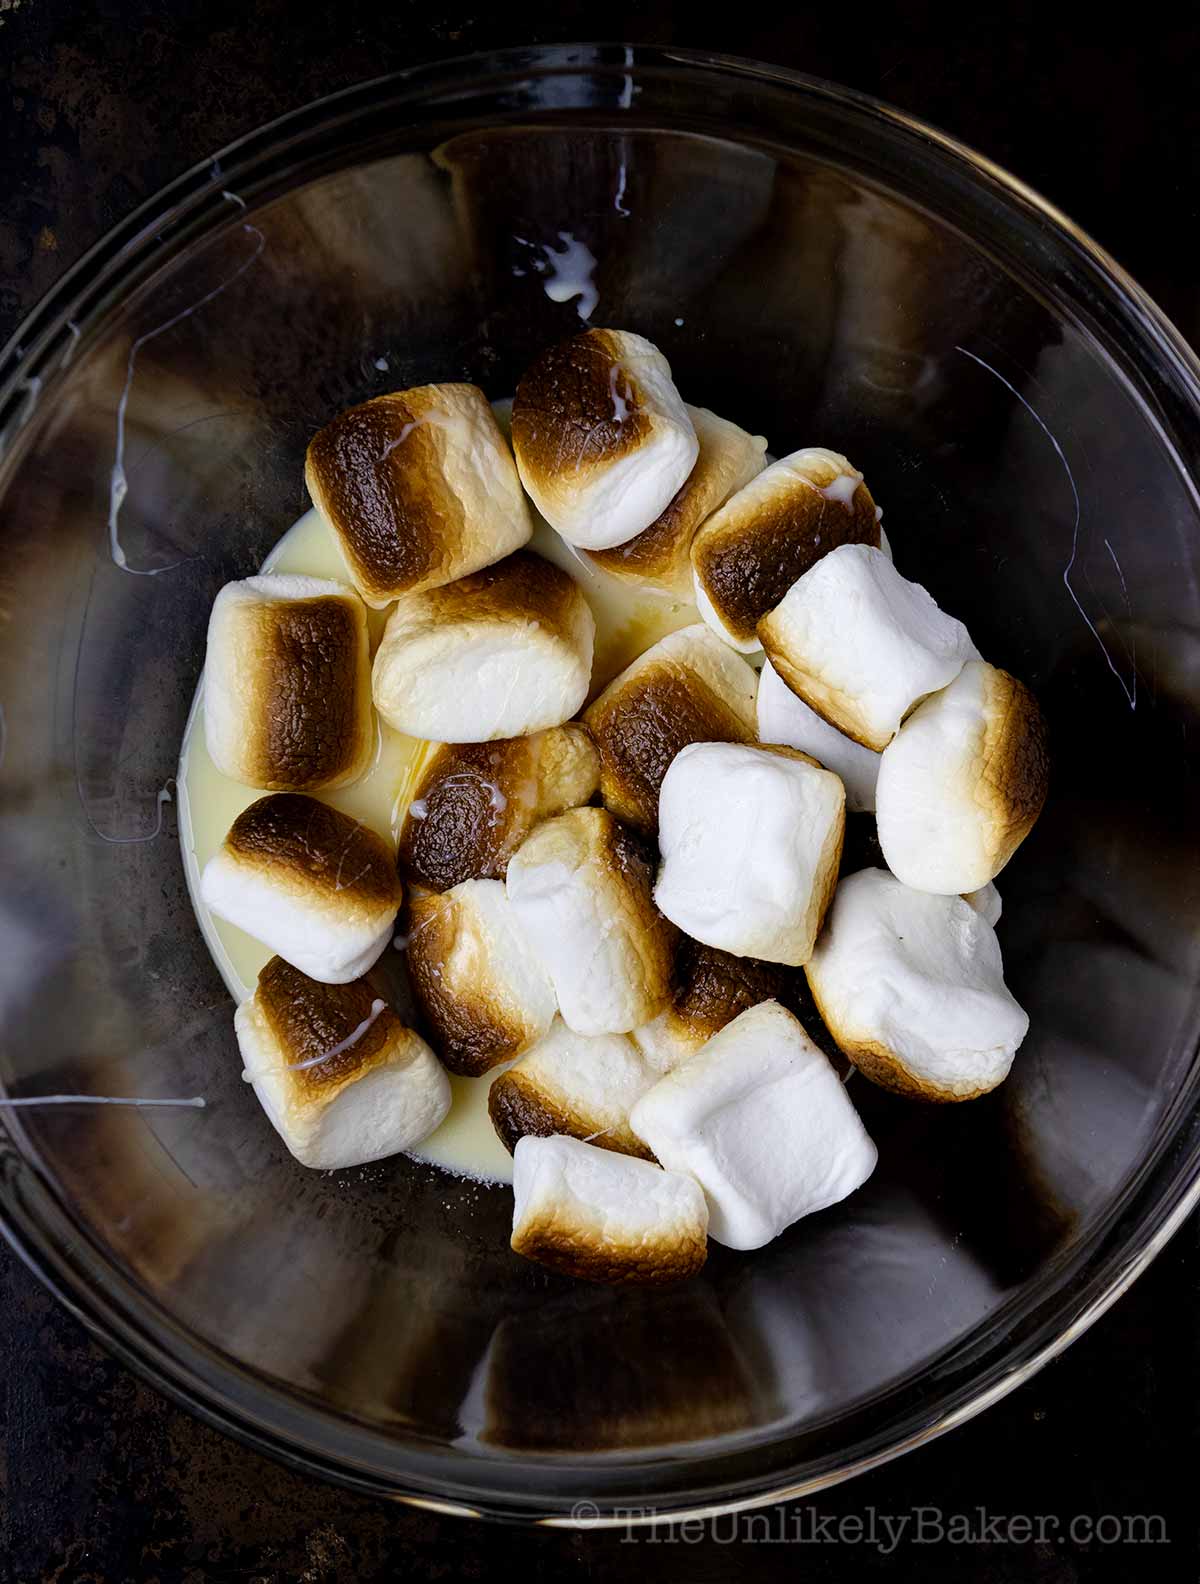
point(557, 1240)
point(522, 587)
point(711, 987)
point(308, 1019)
point(392, 525)
point(304, 672)
point(403, 479)
point(476, 802)
point(640, 722)
point(473, 1011)
point(520, 1105)
point(577, 407)
point(312, 848)
point(748, 555)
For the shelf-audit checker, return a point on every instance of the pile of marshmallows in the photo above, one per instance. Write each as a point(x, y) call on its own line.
point(636, 966)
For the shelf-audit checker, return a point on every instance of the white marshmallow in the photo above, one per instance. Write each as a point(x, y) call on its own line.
point(502, 653)
point(287, 690)
point(748, 554)
point(750, 840)
point(963, 783)
point(479, 984)
point(314, 885)
point(341, 1078)
point(911, 985)
point(581, 889)
point(986, 902)
point(602, 438)
point(861, 645)
point(762, 1121)
point(418, 488)
point(589, 1213)
point(578, 1084)
point(784, 718)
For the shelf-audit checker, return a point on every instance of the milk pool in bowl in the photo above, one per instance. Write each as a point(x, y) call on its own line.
point(628, 621)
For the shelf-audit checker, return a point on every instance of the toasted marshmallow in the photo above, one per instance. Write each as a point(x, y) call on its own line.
point(589, 1213)
point(784, 718)
point(341, 1078)
point(578, 1084)
point(501, 653)
point(581, 885)
point(762, 1121)
point(709, 988)
point(963, 783)
point(750, 841)
point(602, 438)
point(748, 554)
point(287, 684)
point(483, 992)
point(687, 688)
point(475, 803)
point(311, 883)
point(660, 556)
point(911, 986)
point(418, 488)
point(986, 902)
point(861, 645)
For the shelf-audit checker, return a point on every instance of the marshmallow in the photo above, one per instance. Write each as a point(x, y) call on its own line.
point(986, 902)
point(311, 883)
point(475, 803)
point(748, 554)
point(602, 439)
point(784, 718)
point(589, 1213)
point(763, 1123)
point(578, 1084)
point(287, 684)
point(501, 653)
point(687, 688)
point(418, 488)
point(911, 986)
point(861, 645)
point(341, 1078)
point(750, 840)
point(709, 988)
point(483, 993)
point(963, 783)
point(659, 557)
point(580, 885)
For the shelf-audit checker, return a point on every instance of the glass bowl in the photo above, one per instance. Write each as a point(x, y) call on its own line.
point(817, 267)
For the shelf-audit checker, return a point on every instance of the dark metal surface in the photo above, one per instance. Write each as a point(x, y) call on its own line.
point(103, 1480)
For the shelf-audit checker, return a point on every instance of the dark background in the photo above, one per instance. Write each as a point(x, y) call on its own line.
point(103, 1480)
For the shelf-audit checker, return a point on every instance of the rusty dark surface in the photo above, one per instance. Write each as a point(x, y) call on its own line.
point(101, 1478)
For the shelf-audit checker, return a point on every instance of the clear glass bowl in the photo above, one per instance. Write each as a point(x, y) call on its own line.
point(818, 267)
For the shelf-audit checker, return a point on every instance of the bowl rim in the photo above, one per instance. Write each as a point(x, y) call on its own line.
point(191, 1373)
